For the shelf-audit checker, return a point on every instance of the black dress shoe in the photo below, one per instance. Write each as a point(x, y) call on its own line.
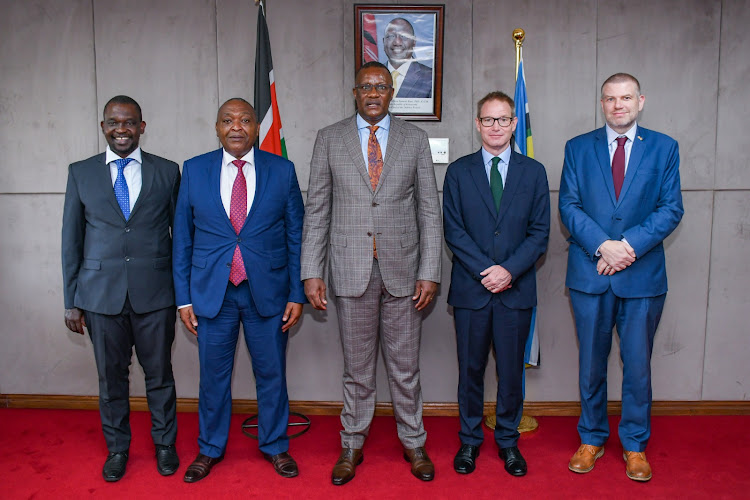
point(465, 460)
point(167, 461)
point(200, 467)
point(114, 466)
point(283, 463)
point(515, 465)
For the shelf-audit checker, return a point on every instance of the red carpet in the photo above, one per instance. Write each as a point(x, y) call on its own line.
point(59, 454)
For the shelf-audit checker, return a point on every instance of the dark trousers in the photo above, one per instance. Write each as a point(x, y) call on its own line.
point(507, 330)
point(636, 319)
point(217, 343)
point(114, 337)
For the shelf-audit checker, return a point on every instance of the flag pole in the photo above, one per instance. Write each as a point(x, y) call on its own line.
point(518, 35)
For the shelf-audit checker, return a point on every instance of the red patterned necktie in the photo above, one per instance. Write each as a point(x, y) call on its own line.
point(237, 216)
point(374, 168)
point(618, 165)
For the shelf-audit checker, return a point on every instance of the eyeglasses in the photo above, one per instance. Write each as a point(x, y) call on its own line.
point(366, 88)
point(488, 121)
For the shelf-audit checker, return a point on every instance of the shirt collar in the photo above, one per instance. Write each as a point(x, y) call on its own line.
point(227, 159)
point(385, 123)
point(402, 70)
point(504, 156)
point(112, 156)
point(612, 135)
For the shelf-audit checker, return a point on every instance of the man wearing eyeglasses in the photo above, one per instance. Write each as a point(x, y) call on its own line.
point(373, 210)
point(496, 219)
point(410, 78)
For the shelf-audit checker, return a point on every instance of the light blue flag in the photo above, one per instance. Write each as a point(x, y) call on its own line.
point(525, 145)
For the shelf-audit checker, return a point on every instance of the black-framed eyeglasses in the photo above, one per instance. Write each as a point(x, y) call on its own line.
point(488, 121)
point(366, 88)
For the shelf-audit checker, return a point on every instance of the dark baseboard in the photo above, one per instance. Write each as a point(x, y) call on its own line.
point(249, 406)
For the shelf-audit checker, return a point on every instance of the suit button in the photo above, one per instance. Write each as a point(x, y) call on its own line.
point(127, 259)
point(497, 233)
point(374, 204)
point(239, 239)
point(369, 233)
point(127, 229)
point(229, 265)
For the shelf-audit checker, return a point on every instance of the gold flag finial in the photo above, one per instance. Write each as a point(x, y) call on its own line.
point(518, 36)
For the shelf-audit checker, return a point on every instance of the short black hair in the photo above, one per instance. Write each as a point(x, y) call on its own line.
point(240, 99)
point(123, 99)
point(374, 64)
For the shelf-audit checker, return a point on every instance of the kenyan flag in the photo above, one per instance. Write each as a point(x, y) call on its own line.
point(271, 136)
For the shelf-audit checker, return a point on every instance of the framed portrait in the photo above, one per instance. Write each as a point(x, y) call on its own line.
point(408, 39)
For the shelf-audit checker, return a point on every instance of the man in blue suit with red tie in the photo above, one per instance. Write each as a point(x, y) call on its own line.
point(619, 199)
point(496, 219)
point(237, 239)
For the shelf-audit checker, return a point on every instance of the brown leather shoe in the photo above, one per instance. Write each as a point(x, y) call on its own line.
point(585, 458)
point(421, 465)
point(343, 471)
point(283, 463)
point(637, 468)
point(200, 467)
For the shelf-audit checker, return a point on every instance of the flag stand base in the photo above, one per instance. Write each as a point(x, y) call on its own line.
point(527, 424)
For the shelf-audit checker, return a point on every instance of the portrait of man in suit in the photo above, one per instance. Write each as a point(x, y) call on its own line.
point(410, 78)
point(373, 214)
point(238, 229)
point(496, 212)
point(619, 199)
point(117, 278)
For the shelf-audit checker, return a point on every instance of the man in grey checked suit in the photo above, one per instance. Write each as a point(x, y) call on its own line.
point(385, 247)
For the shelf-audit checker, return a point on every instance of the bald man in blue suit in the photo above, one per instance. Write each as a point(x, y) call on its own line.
point(237, 240)
point(619, 199)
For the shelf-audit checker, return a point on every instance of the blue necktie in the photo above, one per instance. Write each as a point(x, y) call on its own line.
point(121, 187)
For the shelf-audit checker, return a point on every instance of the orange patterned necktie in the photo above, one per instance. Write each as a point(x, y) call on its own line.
point(374, 167)
point(374, 158)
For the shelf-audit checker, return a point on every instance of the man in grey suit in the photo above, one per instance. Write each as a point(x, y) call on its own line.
point(117, 278)
point(373, 201)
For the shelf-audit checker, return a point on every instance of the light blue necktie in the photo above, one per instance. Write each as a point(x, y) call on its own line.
point(121, 187)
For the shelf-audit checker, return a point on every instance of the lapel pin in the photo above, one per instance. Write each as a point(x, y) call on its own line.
point(640, 138)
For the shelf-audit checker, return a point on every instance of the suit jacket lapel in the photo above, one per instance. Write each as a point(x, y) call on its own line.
point(512, 181)
point(636, 155)
point(602, 154)
point(395, 143)
point(104, 182)
point(353, 146)
point(479, 176)
point(261, 181)
point(148, 170)
point(214, 182)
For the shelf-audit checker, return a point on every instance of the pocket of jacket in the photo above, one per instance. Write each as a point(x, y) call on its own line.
point(162, 262)
point(338, 240)
point(409, 239)
point(199, 262)
point(91, 264)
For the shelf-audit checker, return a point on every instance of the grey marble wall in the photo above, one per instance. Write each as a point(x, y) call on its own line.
point(61, 60)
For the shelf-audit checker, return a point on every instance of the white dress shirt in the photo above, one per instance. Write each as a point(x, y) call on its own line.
point(132, 173)
point(402, 70)
point(229, 174)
